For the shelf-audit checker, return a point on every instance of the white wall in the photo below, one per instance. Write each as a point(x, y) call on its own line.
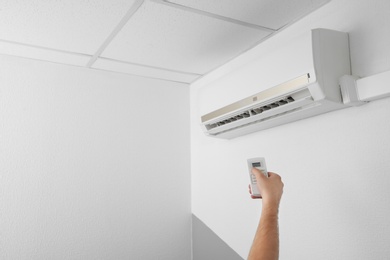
point(335, 166)
point(93, 165)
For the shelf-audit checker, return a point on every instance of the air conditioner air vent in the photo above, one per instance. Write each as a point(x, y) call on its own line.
point(240, 116)
point(262, 109)
point(252, 112)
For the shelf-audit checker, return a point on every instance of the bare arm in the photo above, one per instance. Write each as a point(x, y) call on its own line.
point(266, 242)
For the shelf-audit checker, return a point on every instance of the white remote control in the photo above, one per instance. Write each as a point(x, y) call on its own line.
point(258, 163)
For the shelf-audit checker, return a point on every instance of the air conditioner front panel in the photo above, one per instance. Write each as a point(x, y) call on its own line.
point(285, 89)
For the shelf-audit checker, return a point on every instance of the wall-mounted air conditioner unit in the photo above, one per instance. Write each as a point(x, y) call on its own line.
point(314, 92)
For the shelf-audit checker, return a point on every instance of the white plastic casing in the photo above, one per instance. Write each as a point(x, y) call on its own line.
point(322, 59)
point(259, 163)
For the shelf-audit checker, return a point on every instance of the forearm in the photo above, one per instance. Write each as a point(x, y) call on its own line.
point(266, 242)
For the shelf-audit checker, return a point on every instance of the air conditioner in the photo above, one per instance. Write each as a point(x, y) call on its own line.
point(311, 93)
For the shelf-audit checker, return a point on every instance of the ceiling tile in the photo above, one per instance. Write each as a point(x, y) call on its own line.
point(161, 36)
point(70, 25)
point(43, 54)
point(134, 69)
point(272, 14)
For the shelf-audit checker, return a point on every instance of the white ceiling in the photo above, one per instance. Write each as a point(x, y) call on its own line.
point(177, 40)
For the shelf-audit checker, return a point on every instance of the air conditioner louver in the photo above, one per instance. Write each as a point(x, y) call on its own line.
point(252, 112)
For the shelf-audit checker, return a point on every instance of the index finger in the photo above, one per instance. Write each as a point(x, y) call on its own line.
point(273, 175)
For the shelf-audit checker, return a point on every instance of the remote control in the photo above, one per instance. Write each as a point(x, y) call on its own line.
point(258, 163)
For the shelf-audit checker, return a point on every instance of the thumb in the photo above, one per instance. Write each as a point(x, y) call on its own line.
point(258, 173)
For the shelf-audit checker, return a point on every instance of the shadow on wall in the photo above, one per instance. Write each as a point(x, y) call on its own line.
point(209, 246)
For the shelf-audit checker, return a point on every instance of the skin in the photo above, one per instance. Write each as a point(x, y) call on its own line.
point(266, 242)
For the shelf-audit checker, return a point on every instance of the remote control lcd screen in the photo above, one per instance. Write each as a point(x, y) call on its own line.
point(256, 164)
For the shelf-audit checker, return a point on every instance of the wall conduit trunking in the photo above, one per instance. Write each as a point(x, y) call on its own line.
point(311, 93)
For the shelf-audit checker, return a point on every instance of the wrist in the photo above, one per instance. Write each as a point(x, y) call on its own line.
point(270, 208)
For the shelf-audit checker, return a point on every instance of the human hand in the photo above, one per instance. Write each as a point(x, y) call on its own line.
point(271, 188)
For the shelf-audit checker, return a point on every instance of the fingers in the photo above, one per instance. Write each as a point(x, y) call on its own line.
point(274, 175)
point(250, 192)
point(271, 187)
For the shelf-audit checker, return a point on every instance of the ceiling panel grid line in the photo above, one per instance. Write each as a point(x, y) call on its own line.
point(213, 15)
point(44, 48)
point(133, 9)
point(135, 74)
point(34, 52)
point(152, 67)
point(271, 14)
